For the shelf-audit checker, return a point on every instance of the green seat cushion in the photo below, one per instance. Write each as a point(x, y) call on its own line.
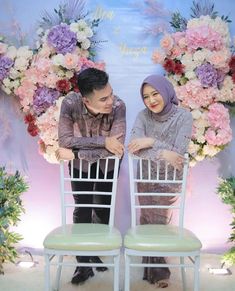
point(83, 237)
point(156, 237)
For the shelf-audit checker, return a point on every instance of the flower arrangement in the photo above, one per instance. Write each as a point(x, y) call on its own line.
point(65, 47)
point(11, 188)
point(199, 61)
point(13, 63)
point(226, 191)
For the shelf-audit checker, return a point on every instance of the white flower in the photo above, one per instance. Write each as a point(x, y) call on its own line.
point(200, 138)
point(200, 55)
point(187, 61)
point(86, 44)
point(21, 64)
point(196, 114)
point(13, 73)
point(58, 60)
point(190, 75)
point(88, 31)
point(61, 73)
point(11, 52)
point(15, 83)
point(199, 158)
point(24, 52)
point(69, 74)
point(7, 82)
point(6, 90)
point(193, 148)
point(74, 27)
point(82, 23)
point(210, 150)
point(81, 36)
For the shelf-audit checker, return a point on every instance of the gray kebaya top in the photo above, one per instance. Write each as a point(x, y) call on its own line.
point(171, 131)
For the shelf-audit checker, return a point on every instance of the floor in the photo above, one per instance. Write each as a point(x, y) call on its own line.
point(20, 279)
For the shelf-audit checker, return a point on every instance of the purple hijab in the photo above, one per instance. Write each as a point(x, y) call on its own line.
point(165, 88)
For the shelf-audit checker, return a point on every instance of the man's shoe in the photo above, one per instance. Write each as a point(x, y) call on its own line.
point(81, 274)
point(98, 260)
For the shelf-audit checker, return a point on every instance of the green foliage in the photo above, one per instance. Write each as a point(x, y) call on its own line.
point(226, 191)
point(229, 257)
point(178, 22)
point(11, 208)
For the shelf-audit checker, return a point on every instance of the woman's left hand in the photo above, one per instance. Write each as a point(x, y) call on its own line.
point(140, 143)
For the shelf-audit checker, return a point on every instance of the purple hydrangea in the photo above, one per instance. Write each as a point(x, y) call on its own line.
point(5, 65)
point(220, 77)
point(208, 75)
point(43, 98)
point(62, 38)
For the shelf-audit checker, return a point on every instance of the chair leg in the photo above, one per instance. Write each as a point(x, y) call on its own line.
point(47, 273)
point(183, 273)
point(196, 273)
point(116, 273)
point(58, 273)
point(127, 273)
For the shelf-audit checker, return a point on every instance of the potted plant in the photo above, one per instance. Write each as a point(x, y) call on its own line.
point(226, 191)
point(11, 188)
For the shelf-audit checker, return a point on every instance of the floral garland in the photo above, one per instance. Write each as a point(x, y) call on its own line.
point(65, 47)
point(13, 63)
point(200, 63)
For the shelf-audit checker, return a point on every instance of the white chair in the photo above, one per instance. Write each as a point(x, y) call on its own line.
point(84, 239)
point(159, 240)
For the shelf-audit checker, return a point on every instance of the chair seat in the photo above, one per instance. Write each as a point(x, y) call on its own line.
point(83, 237)
point(155, 237)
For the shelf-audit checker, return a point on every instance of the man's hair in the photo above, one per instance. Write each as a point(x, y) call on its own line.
point(91, 79)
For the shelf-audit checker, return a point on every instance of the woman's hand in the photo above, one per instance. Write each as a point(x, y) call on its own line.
point(175, 159)
point(140, 143)
point(64, 154)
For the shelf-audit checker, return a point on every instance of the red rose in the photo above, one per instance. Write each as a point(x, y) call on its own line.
point(32, 129)
point(178, 69)
point(74, 84)
point(63, 86)
point(29, 118)
point(233, 77)
point(169, 65)
point(232, 64)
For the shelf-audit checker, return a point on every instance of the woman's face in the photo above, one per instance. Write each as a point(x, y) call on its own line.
point(152, 99)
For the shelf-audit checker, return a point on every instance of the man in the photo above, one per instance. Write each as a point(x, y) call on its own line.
point(92, 125)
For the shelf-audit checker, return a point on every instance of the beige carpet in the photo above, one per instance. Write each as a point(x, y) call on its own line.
point(19, 279)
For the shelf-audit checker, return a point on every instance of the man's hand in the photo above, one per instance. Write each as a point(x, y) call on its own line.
point(140, 143)
point(113, 145)
point(64, 154)
point(175, 159)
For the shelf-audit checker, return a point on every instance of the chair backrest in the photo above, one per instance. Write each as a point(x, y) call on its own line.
point(147, 177)
point(88, 172)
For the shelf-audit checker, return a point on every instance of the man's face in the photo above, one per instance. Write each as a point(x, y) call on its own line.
point(101, 101)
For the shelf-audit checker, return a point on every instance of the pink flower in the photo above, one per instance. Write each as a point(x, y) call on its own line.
point(218, 116)
point(3, 48)
point(70, 61)
point(178, 35)
point(220, 137)
point(176, 52)
point(158, 57)
point(167, 42)
point(219, 58)
point(203, 37)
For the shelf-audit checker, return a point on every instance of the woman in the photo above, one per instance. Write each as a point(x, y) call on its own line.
point(161, 131)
